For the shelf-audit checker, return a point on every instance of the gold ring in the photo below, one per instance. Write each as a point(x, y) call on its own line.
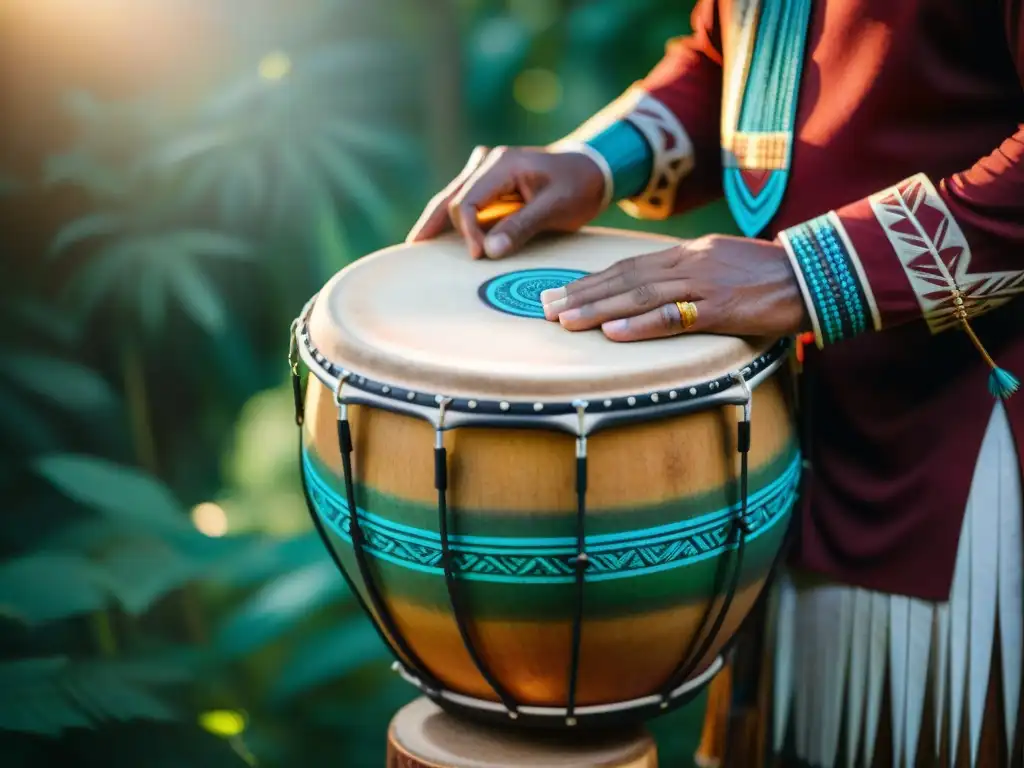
point(687, 313)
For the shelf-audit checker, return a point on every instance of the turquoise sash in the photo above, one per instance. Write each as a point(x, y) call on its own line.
point(764, 52)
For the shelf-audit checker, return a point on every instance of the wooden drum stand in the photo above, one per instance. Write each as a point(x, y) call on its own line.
point(422, 735)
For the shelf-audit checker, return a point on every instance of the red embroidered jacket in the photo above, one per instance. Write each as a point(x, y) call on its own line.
point(910, 127)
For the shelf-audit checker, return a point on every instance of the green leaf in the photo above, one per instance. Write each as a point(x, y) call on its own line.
point(81, 169)
point(117, 491)
point(30, 426)
point(279, 607)
point(45, 696)
point(63, 382)
point(350, 179)
point(100, 277)
point(141, 572)
point(242, 189)
point(43, 318)
point(191, 147)
point(163, 745)
point(199, 180)
point(86, 228)
point(267, 558)
point(332, 248)
point(152, 299)
point(201, 242)
point(395, 146)
point(50, 586)
point(328, 656)
point(196, 296)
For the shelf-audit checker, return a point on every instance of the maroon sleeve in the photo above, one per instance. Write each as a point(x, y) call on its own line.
point(688, 80)
point(677, 109)
point(941, 249)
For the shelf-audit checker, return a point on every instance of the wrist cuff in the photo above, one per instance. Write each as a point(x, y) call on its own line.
point(827, 270)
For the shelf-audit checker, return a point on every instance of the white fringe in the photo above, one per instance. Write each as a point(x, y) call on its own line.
point(833, 642)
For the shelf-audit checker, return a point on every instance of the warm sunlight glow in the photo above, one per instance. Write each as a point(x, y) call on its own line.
point(275, 66)
point(223, 723)
point(537, 90)
point(210, 519)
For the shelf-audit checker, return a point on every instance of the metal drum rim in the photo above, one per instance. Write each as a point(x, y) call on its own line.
point(469, 410)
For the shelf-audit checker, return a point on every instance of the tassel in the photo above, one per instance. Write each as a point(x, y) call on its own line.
point(1001, 383)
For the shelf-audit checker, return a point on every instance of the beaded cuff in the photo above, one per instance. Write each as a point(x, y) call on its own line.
point(835, 289)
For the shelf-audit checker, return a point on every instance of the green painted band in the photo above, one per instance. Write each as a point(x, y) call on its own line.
point(547, 560)
point(523, 527)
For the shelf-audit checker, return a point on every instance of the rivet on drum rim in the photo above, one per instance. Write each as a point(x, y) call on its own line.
point(693, 390)
point(631, 400)
point(471, 403)
point(654, 397)
point(385, 389)
point(607, 403)
point(410, 396)
point(438, 399)
point(570, 721)
point(672, 395)
point(504, 406)
point(538, 406)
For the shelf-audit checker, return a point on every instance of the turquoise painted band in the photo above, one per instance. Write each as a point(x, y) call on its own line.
point(547, 560)
point(628, 155)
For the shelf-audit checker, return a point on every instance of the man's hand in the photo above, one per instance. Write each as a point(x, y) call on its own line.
point(562, 191)
point(738, 286)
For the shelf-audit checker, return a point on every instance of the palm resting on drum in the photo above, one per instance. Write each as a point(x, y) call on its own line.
point(738, 286)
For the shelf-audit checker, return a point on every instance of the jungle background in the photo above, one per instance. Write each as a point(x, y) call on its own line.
point(177, 177)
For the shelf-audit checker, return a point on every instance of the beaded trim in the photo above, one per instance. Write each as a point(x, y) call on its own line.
point(635, 402)
point(838, 297)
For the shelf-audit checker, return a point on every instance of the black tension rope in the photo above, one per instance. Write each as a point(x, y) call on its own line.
point(455, 596)
point(739, 527)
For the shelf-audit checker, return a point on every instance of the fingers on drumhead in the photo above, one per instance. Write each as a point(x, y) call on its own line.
point(663, 321)
point(436, 218)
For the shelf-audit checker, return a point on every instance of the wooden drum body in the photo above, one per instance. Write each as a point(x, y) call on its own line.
point(545, 444)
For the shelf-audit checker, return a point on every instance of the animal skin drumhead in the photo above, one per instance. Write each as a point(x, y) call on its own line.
point(427, 316)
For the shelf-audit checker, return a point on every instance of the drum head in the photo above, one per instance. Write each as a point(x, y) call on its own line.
point(424, 732)
point(426, 316)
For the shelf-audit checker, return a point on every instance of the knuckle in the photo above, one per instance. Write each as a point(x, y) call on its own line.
point(644, 295)
point(667, 316)
point(628, 267)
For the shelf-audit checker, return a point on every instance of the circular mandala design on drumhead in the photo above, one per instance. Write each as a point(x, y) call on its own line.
point(518, 293)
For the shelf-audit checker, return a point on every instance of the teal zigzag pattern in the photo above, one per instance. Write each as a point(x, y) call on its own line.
point(549, 560)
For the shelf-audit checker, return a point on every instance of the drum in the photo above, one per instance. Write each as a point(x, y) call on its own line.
point(546, 527)
point(422, 735)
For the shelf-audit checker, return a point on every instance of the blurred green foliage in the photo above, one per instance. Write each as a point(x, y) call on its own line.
point(143, 404)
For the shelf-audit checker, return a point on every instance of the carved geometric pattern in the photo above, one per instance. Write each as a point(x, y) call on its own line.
point(549, 560)
point(935, 254)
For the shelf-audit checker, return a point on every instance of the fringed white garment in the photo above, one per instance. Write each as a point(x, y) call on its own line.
point(834, 644)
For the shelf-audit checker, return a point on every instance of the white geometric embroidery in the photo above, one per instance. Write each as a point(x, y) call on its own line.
point(667, 138)
point(673, 158)
point(935, 254)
